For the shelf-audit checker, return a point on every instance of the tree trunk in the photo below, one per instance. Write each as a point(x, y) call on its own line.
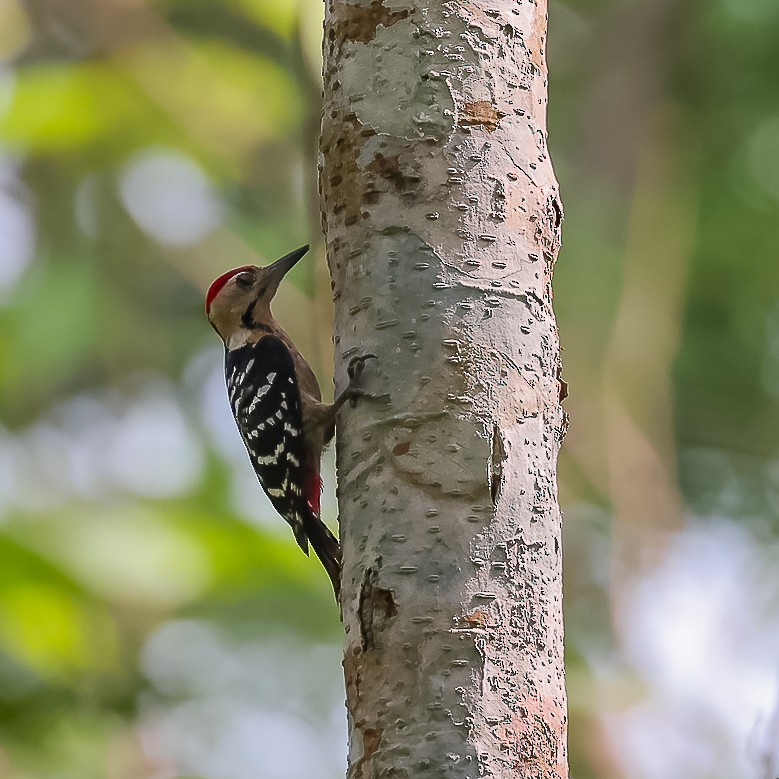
point(442, 223)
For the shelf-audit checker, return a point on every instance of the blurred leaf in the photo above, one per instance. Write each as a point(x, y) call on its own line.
point(132, 556)
point(56, 107)
point(53, 633)
point(60, 340)
point(249, 99)
point(278, 16)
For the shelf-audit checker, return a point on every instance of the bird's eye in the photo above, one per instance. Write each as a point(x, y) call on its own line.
point(245, 279)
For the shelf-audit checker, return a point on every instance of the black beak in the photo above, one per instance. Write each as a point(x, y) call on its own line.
point(279, 269)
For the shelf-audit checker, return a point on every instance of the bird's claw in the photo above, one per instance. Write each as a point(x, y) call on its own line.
point(357, 364)
point(355, 393)
point(354, 370)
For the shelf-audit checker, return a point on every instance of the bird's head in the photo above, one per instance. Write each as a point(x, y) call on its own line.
point(240, 299)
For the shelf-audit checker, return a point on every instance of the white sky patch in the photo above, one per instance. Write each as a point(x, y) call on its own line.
point(37, 468)
point(87, 423)
point(175, 656)
point(219, 737)
point(205, 376)
point(90, 446)
point(170, 197)
point(328, 500)
point(44, 467)
point(218, 714)
point(702, 631)
point(38, 477)
point(248, 499)
point(152, 451)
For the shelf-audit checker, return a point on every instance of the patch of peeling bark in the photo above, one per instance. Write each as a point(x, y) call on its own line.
point(360, 22)
point(481, 113)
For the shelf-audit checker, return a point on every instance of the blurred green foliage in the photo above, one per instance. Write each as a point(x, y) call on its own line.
point(148, 146)
point(97, 303)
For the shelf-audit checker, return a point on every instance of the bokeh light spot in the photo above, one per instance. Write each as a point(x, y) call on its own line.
point(170, 197)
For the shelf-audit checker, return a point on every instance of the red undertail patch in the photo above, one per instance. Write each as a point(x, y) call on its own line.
point(314, 491)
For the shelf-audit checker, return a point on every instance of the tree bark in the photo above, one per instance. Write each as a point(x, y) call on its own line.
point(442, 222)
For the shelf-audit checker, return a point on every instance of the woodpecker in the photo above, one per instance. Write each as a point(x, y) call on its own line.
point(276, 401)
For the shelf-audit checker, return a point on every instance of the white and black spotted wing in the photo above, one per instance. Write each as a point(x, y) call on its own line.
point(265, 400)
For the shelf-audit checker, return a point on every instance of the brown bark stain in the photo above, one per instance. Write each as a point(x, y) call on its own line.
point(371, 738)
point(348, 190)
point(481, 113)
point(353, 664)
point(475, 619)
point(535, 734)
point(375, 607)
point(389, 168)
point(342, 200)
point(360, 22)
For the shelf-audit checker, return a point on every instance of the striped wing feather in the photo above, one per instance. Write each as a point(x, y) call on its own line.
point(264, 396)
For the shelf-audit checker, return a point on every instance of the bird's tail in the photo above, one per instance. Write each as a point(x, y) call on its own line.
point(327, 549)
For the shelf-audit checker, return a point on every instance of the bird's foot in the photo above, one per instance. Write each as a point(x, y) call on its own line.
point(354, 370)
point(357, 365)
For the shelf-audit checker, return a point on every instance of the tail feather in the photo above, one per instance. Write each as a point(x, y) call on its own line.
point(327, 549)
